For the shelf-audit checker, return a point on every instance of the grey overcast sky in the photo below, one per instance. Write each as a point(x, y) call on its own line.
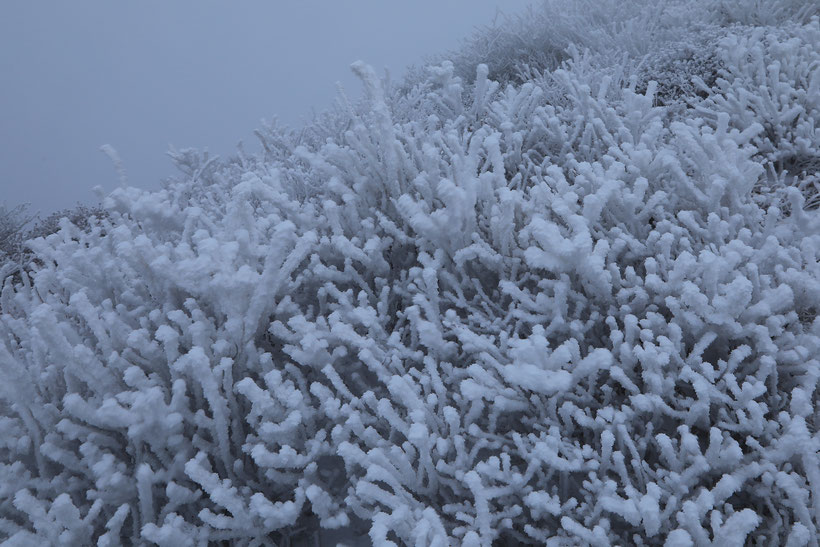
point(143, 75)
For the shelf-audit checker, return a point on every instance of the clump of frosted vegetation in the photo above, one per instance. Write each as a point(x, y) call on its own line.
point(562, 290)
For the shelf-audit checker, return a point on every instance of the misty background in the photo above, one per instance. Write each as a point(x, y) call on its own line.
point(141, 76)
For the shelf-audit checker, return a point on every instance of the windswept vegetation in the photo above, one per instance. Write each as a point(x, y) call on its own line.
point(559, 287)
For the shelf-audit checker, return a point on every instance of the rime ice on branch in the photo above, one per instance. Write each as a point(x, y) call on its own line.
point(555, 303)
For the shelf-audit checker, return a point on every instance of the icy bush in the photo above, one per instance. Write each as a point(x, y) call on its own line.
point(82, 216)
point(552, 312)
point(17, 226)
point(12, 236)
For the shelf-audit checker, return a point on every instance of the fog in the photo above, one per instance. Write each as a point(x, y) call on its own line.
point(141, 76)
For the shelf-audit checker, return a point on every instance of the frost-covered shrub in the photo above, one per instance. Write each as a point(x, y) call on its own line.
point(772, 78)
point(17, 226)
point(763, 13)
point(683, 69)
point(555, 312)
point(675, 31)
point(12, 235)
point(542, 38)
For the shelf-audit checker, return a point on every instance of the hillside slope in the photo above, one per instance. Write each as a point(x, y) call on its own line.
point(561, 289)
